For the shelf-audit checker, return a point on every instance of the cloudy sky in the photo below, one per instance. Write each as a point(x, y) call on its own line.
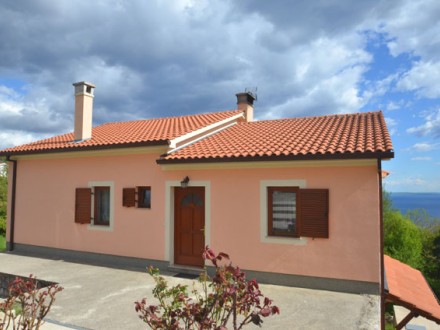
point(163, 58)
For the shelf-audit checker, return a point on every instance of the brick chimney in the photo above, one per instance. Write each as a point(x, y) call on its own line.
point(245, 102)
point(83, 110)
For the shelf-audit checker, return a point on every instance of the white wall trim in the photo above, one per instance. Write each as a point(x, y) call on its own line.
point(264, 237)
point(110, 184)
point(169, 214)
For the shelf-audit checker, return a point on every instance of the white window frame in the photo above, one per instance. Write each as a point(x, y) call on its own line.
point(264, 220)
point(111, 185)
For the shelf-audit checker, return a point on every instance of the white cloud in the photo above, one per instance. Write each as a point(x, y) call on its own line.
point(431, 125)
point(422, 78)
point(392, 125)
point(410, 181)
point(421, 158)
point(413, 184)
point(424, 146)
point(412, 30)
point(412, 27)
point(171, 57)
point(392, 106)
point(14, 138)
point(324, 79)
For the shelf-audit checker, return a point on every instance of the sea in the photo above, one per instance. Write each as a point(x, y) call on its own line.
point(410, 201)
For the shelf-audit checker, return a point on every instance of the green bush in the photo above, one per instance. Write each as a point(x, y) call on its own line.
point(403, 239)
point(431, 257)
point(2, 226)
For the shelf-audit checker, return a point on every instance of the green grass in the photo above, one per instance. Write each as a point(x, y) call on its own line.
point(389, 326)
point(2, 243)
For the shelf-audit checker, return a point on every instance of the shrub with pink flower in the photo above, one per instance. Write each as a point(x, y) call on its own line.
point(27, 304)
point(227, 299)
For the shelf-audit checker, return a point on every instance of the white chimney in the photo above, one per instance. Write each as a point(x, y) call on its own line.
point(83, 110)
point(245, 102)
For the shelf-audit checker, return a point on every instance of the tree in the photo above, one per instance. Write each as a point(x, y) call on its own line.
point(422, 219)
point(402, 239)
point(431, 257)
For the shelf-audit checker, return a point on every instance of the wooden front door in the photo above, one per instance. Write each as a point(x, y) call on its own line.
point(189, 225)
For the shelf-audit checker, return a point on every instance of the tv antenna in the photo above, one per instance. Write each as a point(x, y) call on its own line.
point(252, 91)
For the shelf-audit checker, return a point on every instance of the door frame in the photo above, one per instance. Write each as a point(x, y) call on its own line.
point(169, 214)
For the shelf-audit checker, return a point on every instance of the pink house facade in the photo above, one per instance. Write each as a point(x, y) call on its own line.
point(293, 201)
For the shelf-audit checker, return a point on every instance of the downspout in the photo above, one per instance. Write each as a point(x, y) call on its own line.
point(382, 265)
point(13, 198)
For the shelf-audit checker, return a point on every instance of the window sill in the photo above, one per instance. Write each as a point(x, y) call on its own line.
point(284, 240)
point(100, 227)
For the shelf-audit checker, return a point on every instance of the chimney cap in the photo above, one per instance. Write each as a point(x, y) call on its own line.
point(84, 87)
point(246, 97)
point(83, 83)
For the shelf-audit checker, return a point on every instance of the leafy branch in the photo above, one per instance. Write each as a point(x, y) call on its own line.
point(226, 299)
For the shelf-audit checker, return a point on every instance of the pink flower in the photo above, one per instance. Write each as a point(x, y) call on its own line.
point(275, 310)
point(265, 312)
point(209, 255)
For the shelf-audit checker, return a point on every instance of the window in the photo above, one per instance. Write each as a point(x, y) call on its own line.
point(191, 199)
point(144, 197)
point(102, 206)
point(93, 205)
point(282, 203)
point(142, 193)
point(295, 212)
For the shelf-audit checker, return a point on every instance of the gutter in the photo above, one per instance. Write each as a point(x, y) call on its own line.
point(382, 264)
point(249, 158)
point(10, 245)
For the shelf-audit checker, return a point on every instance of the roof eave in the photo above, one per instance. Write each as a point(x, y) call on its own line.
point(85, 148)
point(368, 155)
point(398, 301)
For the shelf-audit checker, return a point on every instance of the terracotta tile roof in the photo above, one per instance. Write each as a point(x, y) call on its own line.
point(408, 287)
point(131, 133)
point(350, 136)
point(385, 174)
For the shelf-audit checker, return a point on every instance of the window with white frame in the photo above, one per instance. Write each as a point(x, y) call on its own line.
point(282, 211)
point(289, 210)
point(94, 204)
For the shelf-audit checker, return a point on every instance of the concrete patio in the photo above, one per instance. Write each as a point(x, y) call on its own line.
point(103, 298)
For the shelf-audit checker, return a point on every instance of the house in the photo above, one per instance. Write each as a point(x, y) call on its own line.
point(293, 201)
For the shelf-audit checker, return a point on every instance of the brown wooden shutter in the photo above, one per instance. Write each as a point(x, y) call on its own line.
point(83, 205)
point(128, 197)
point(314, 212)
